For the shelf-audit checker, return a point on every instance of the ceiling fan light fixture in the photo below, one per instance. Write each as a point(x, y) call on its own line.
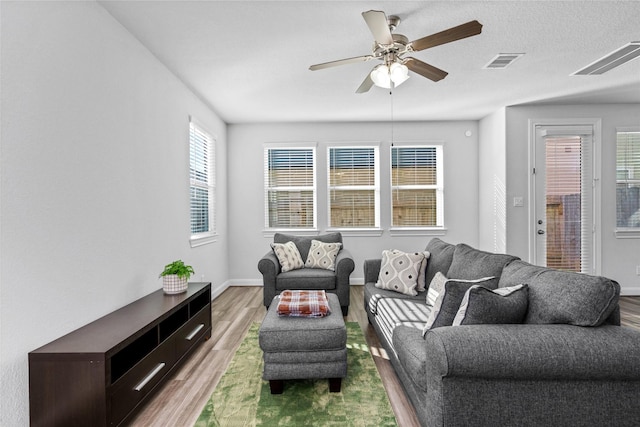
point(383, 76)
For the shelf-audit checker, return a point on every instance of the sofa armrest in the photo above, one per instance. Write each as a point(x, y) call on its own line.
point(535, 352)
point(372, 270)
point(519, 352)
point(343, 268)
point(269, 266)
point(344, 264)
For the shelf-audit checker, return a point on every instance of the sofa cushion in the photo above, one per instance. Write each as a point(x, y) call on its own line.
point(448, 301)
point(563, 297)
point(303, 243)
point(399, 271)
point(470, 263)
point(288, 256)
point(493, 306)
point(441, 254)
point(322, 255)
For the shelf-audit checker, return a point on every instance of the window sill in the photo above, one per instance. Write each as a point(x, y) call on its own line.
point(628, 233)
point(418, 231)
point(356, 232)
point(202, 239)
point(292, 231)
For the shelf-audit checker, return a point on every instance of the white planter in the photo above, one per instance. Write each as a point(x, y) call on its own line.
point(172, 284)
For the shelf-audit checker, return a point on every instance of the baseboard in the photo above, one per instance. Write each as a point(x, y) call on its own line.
point(630, 291)
point(216, 290)
point(258, 282)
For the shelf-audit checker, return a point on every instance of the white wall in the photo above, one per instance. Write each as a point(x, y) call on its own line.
point(246, 200)
point(492, 183)
point(619, 256)
point(94, 179)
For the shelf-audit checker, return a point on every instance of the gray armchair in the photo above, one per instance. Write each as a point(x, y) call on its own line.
point(336, 282)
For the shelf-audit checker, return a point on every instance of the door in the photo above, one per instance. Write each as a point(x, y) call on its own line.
point(564, 198)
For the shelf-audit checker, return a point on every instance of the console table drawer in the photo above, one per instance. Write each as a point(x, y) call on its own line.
point(129, 390)
point(191, 333)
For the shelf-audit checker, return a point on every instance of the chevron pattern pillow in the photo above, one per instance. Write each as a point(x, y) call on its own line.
point(288, 256)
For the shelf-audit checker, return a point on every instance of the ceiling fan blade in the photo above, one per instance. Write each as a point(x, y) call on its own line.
point(366, 84)
point(469, 29)
point(425, 70)
point(341, 62)
point(377, 22)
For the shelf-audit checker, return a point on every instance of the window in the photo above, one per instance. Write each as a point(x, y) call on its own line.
point(628, 179)
point(201, 183)
point(416, 186)
point(354, 195)
point(290, 188)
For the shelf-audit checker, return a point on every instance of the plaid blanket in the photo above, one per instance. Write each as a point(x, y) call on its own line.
point(303, 304)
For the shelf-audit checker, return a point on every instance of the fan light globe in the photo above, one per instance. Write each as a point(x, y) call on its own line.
point(380, 76)
point(399, 73)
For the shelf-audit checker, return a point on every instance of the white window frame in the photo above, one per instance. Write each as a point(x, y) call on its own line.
point(267, 188)
point(439, 227)
point(625, 232)
point(209, 184)
point(375, 187)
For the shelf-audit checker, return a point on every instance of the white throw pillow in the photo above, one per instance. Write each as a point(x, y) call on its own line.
point(399, 271)
point(322, 255)
point(435, 288)
point(288, 256)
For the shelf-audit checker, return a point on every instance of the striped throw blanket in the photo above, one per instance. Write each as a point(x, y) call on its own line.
point(303, 304)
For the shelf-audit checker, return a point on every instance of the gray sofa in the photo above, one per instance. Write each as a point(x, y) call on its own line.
point(568, 363)
point(335, 282)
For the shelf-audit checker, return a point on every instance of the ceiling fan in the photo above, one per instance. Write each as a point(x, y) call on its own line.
point(391, 50)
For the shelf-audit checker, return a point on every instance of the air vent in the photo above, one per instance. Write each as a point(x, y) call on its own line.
point(616, 58)
point(503, 60)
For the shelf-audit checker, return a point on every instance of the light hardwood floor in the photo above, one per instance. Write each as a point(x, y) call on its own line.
point(182, 398)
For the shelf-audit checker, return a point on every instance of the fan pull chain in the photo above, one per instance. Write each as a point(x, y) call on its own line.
point(391, 95)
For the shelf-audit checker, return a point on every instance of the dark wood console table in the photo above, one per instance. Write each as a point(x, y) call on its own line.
point(100, 374)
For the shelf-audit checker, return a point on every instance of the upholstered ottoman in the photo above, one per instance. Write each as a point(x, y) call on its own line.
point(303, 347)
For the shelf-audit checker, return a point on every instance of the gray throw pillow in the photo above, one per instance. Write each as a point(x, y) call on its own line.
point(468, 263)
point(563, 297)
point(441, 254)
point(493, 306)
point(448, 301)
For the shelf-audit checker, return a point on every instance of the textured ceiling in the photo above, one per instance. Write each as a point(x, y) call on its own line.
point(249, 60)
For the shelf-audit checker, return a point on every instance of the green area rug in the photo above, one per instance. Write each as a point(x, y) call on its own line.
point(242, 398)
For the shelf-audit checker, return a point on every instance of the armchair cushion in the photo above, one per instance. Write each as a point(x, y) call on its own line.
point(306, 278)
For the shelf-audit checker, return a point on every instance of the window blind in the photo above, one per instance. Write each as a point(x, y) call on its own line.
point(290, 188)
point(201, 177)
point(416, 186)
point(353, 188)
point(628, 179)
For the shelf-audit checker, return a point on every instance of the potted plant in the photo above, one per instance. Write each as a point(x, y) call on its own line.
point(175, 277)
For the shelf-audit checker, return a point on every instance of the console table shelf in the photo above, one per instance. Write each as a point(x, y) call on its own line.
point(100, 374)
